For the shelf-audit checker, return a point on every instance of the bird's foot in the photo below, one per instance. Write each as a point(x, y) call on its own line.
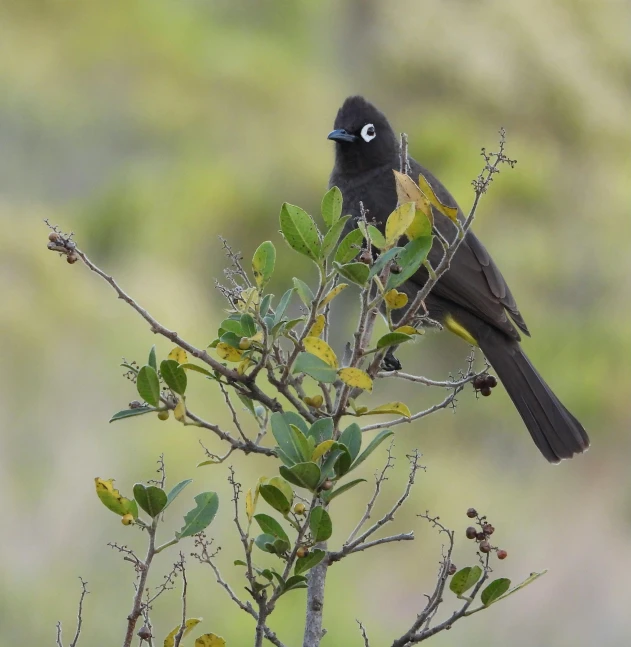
point(390, 362)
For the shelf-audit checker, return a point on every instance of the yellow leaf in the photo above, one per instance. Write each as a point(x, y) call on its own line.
point(179, 355)
point(391, 407)
point(258, 337)
point(398, 221)
point(356, 378)
point(169, 641)
point(408, 330)
point(244, 365)
point(180, 411)
point(320, 349)
point(247, 300)
point(113, 499)
point(210, 640)
point(229, 353)
point(450, 212)
point(408, 191)
point(322, 449)
point(396, 299)
point(316, 401)
point(249, 505)
point(318, 327)
point(332, 294)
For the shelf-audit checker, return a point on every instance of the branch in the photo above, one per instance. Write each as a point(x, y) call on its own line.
point(75, 640)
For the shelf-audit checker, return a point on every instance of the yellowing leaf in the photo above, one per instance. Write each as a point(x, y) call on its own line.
point(112, 499)
point(316, 401)
point(322, 449)
point(244, 365)
point(210, 640)
point(249, 505)
point(396, 299)
point(248, 299)
point(408, 330)
point(258, 337)
point(180, 411)
point(318, 327)
point(169, 641)
point(356, 378)
point(332, 294)
point(228, 353)
point(391, 407)
point(320, 349)
point(398, 221)
point(450, 212)
point(179, 355)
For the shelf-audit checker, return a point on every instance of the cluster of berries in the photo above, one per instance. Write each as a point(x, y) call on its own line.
point(482, 535)
point(484, 383)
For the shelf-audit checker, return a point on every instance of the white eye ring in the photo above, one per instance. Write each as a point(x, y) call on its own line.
point(368, 132)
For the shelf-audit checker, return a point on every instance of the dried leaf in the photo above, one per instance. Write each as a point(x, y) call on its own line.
point(426, 188)
point(169, 641)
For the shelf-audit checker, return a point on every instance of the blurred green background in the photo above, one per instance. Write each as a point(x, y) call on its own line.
point(151, 127)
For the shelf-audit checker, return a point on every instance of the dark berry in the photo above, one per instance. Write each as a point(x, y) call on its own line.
point(485, 547)
point(488, 529)
point(479, 381)
point(480, 536)
point(472, 513)
point(485, 391)
point(491, 381)
point(471, 532)
point(396, 269)
point(502, 554)
point(452, 569)
point(365, 257)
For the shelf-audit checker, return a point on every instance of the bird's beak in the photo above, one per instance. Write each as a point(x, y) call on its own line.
point(341, 135)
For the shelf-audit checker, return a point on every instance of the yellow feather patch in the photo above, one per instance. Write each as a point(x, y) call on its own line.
point(452, 325)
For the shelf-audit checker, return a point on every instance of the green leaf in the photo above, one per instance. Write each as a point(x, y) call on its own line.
point(175, 491)
point(494, 590)
point(374, 443)
point(376, 237)
point(321, 430)
point(207, 504)
point(198, 369)
point(152, 361)
point(263, 263)
point(355, 272)
point(282, 306)
point(328, 467)
point(304, 292)
point(329, 495)
point(320, 524)
point(332, 206)
point(464, 579)
point(148, 385)
point(295, 582)
point(332, 236)
point(303, 564)
point(287, 439)
point(265, 304)
point(248, 325)
point(531, 578)
point(265, 543)
point(129, 413)
point(231, 339)
point(232, 325)
point(393, 339)
point(380, 263)
point(351, 437)
point(343, 463)
point(275, 498)
point(349, 247)
point(289, 462)
point(300, 231)
point(150, 498)
point(270, 526)
point(292, 418)
point(410, 259)
point(314, 367)
point(174, 375)
point(306, 475)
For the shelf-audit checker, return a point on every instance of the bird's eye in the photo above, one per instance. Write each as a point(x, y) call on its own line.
point(368, 132)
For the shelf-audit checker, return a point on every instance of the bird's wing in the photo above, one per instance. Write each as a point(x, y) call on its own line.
point(473, 281)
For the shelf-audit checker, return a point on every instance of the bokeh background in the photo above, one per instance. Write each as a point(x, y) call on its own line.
point(149, 128)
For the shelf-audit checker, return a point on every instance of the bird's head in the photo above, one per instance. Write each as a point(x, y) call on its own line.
point(363, 137)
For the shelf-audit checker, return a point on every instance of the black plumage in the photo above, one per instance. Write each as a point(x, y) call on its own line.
point(473, 293)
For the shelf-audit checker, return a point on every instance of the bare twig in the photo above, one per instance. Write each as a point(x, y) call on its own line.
point(364, 634)
point(181, 565)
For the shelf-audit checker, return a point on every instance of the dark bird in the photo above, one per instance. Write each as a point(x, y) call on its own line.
point(472, 299)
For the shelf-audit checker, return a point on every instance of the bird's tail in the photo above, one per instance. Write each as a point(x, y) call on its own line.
point(556, 432)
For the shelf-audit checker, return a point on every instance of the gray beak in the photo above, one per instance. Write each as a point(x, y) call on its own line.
point(341, 135)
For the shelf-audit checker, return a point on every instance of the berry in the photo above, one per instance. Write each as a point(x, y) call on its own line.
point(488, 529)
point(502, 554)
point(303, 551)
point(479, 381)
point(485, 391)
point(145, 634)
point(395, 269)
point(300, 508)
point(491, 381)
point(472, 513)
point(72, 258)
point(327, 485)
point(127, 519)
point(244, 343)
point(471, 532)
point(54, 237)
point(452, 569)
point(480, 536)
point(163, 415)
point(365, 257)
point(485, 547)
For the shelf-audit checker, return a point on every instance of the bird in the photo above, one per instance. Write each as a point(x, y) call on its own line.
point(472, 299)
